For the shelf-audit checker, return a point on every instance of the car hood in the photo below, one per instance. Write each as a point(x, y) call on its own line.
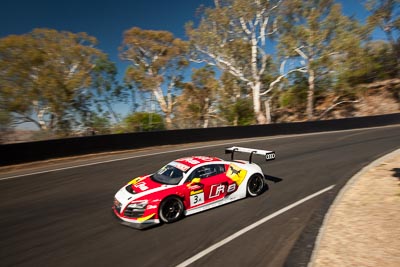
point(139, 188)
point(142, 184)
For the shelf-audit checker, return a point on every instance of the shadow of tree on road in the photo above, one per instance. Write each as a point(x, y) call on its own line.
point(396, 173)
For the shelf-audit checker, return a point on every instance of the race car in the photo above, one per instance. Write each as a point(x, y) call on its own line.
point(189, 185)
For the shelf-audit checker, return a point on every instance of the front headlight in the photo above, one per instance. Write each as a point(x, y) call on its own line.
point(138, 205)
point(117, 203)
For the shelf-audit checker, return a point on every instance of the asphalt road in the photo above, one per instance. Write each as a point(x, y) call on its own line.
point(63, 218)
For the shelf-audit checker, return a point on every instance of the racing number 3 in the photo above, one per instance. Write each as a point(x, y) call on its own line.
point(197, 199)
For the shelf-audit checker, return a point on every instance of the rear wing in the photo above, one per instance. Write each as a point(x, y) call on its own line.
point(269, 155)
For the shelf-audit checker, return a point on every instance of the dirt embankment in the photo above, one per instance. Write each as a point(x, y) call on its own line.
point(362, 227)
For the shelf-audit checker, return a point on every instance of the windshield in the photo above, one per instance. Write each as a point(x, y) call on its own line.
point(168, 175)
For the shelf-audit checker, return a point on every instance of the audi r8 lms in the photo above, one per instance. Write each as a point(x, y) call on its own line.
point(189, 185)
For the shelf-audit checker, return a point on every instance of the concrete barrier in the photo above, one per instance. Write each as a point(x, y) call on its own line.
point(42, 150)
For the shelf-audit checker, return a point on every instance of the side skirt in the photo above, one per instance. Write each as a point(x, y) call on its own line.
point(211, 205)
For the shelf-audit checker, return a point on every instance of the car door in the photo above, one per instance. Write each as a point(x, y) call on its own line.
point(213, 184)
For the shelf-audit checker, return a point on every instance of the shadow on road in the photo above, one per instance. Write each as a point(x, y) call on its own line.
point(273, 178)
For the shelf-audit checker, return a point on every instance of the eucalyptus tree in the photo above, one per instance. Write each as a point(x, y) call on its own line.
point(156, 59)
point(317, 34)
point(375, 62)
point(385, 14)
point(234, 105)
point(235, 36)
point(198, 100)
point(107, 90)
point(45, 76)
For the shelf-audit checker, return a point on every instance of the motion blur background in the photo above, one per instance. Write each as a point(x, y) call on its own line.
point(72, 69)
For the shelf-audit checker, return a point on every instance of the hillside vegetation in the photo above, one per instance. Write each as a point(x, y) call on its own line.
point(242, 63)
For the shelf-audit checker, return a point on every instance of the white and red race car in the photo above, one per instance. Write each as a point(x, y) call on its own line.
point(187, 186)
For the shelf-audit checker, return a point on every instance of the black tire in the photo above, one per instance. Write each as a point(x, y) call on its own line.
point(171, 210)
point(256, 185)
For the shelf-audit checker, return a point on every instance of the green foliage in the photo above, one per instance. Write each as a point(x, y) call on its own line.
point(374, 62)
point(107, 89)
point(318, 34)
point(152, 49)
point(5, 119)
point(59, 81)
point(143, 122)
point(385, 14)
point(234, 107)
point(157, 59)
point(235, 37)
point(238, 113)
point(295, 96)
point(45, 75)
point(197, 102)
point(99, 124)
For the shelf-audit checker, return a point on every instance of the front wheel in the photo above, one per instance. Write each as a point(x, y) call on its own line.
point(255, 185)
point(171, 209)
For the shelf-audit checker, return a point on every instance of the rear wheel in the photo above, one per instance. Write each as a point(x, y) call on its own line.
point(255, 185)
point(171, 209)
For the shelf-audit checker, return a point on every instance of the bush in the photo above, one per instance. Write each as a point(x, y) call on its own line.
point(143, 122)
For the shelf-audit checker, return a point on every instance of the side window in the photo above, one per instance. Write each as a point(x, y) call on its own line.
point(207, 171)
point(221, 168)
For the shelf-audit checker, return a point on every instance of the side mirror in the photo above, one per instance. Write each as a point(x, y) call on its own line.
point(195, 181)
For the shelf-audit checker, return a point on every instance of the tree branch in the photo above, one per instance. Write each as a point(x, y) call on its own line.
point(263, 64)
point(301, 53)
point(335, 105)
point(263, 30)
point(277, 80)
point(225, 65)
point(244, 26)
point(23, 119)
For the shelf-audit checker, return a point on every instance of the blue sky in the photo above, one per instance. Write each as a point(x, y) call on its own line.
point(107, 20)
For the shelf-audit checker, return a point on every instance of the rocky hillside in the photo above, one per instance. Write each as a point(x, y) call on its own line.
point(379, 98)
point(368, 99)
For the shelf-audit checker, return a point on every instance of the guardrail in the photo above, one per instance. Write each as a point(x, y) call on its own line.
point(42, 150)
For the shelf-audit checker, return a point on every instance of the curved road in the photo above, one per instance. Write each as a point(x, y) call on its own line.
point(63, 217)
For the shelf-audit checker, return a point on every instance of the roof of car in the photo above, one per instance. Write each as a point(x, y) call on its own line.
point(190, 162)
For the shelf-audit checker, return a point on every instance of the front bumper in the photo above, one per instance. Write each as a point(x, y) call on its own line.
point(139, 223)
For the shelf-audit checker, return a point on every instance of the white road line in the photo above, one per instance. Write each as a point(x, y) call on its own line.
point(186, 149)
point(250, 227)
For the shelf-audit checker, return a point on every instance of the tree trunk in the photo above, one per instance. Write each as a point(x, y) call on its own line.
point(267, 104)
point(112, 111)
point(168, 121)
point(207, 112)
point(310, 95)
point(41, 121)
point(235, 120)
point(165, 106)
point(260, 117)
